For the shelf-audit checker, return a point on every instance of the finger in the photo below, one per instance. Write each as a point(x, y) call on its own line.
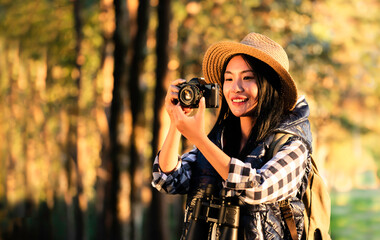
point(173, 88)
point(178, 114)
point(170, 96)
point(175, 83)
point(202, 104)
point(178, 81)
point(187, 110)
point(201, 108)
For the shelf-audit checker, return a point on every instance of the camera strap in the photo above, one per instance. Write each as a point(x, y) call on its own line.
point(213, 231)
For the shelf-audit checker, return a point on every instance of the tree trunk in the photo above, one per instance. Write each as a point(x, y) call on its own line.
point(137, 97)
point(77, 224)
point(120, 116)
point(159, 219)
point(104, 213)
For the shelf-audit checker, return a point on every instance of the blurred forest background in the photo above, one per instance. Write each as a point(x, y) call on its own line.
point(82, 84)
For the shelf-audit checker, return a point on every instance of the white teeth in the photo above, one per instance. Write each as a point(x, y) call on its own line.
point(238, 100)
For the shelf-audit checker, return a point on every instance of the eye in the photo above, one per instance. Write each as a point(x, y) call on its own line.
point(227, 79)
point(249, 78)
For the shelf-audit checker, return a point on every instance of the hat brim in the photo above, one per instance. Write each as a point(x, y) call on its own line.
point(216, 56)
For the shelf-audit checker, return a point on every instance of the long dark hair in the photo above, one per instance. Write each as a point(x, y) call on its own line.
point(268, 111)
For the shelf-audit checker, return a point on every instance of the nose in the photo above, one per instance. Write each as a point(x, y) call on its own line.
point(237, 86)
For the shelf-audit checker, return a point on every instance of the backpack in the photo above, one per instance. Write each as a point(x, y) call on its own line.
point(316, 200)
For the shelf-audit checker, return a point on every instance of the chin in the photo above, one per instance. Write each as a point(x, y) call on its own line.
point(238, 114)
point(243, 114)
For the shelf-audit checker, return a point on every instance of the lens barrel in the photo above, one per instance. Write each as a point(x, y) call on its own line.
point(191, 92)
point(189, 95)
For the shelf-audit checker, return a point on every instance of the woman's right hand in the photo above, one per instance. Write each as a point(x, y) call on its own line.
point(168, 158)
point(182, 118)
point(171, 99)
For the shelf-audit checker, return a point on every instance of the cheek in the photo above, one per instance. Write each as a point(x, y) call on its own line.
point(225, 89)
point(254, 90)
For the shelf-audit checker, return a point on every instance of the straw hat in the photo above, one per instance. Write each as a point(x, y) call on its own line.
point(260, 47)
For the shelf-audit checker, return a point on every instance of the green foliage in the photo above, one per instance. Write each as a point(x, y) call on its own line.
point(39, 93)
point(332, 46)
point(334, 53)
point(355, 215)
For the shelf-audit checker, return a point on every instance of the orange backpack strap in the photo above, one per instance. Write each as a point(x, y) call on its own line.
point(317, 205)
point(289, 219)
point(316, 200)
point(279, 140)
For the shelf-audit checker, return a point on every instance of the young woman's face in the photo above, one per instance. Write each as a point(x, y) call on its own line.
point(240, 87)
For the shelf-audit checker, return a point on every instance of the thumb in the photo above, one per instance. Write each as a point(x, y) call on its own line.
point(202, 106)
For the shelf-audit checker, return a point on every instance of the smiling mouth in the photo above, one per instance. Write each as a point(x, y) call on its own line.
point(239, 100)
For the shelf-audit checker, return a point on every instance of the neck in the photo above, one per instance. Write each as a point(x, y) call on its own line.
point(246, 124)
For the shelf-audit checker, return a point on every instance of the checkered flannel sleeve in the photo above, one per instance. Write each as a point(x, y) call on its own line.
point(277, 180)
point(177, 181)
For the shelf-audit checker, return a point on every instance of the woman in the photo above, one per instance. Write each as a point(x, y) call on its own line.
point(259, 99)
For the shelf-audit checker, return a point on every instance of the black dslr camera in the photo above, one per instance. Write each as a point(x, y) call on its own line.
point(191, 92)
point(213, 213)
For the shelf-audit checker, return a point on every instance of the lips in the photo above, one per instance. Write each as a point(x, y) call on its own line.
point(239, 99)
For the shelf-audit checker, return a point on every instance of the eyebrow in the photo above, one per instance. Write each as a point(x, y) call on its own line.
point(245, 71)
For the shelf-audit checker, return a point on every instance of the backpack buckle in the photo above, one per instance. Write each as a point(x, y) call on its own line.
point(288, 217)
point(285, 209)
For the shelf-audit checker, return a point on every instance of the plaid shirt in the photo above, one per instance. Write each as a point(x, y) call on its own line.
point(279, 179)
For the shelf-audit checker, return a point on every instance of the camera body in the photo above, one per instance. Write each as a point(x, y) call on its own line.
point(191, 92)
point(211, 213)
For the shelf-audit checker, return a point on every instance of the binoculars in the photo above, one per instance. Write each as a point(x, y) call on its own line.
point(213, 218)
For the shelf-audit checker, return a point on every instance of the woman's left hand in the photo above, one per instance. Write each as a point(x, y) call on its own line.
point(191, 126)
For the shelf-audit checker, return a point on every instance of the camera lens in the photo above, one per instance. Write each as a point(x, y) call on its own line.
point(187, 95)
